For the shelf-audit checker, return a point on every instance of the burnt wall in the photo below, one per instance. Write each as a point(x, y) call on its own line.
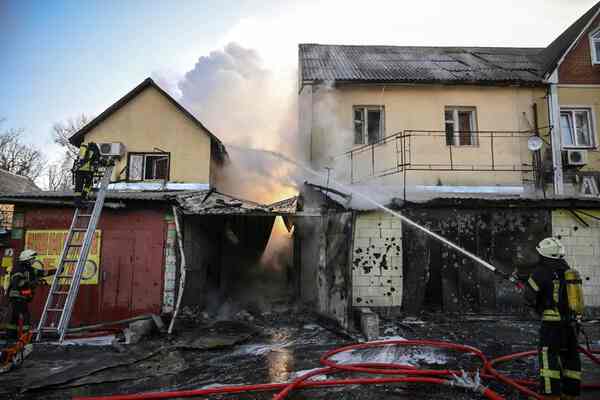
point(226, 262)
point(439, 278)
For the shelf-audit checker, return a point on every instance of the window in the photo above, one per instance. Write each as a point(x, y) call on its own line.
point(576, 127)
point(461, 126)
point(595, 46)
point(148, 166)
point(368, 124)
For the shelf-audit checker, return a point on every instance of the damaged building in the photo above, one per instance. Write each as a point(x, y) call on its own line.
point(166, 231)
point(492, 148)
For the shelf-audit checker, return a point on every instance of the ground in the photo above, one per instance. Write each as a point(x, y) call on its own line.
point(272, 348)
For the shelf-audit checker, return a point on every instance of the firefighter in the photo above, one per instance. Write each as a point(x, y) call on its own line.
point(84, 169)
point(555, 292)
point(24, 278)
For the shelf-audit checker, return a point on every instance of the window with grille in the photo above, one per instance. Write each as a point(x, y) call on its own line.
point(148, 166)
point(368, 124)
point(461, 126)
point(577, 128)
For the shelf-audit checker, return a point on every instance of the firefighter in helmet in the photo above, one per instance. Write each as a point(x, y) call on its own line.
point(24, 278)
point(84, 169)
point(554, 290)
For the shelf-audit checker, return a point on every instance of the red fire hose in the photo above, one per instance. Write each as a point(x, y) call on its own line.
point(407, 374)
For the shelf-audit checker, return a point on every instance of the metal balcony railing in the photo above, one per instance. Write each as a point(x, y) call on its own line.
point(424, 150)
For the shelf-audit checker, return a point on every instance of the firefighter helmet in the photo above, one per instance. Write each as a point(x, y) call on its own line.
point(551, 248)
point(27, 255)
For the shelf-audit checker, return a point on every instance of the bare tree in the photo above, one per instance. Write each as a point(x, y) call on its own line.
point(59, 174)
point(62, 131)
point(18, 157)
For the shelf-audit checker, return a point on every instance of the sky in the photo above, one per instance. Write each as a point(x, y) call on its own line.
point(62, 58)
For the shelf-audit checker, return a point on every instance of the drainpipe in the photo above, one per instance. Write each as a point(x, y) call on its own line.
point(554, 116)
point(183, 269)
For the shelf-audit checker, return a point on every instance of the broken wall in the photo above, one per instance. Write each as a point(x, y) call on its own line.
point(441, 279)
point(333, 280)
point(231, 262)
point(396, 265)
point(307, 232)
point(377, 260)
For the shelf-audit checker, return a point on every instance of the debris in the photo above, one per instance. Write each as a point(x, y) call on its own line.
point(137, 330)
point(244, 316)
point(114, 323)
point(369, 323)
point(105, 340)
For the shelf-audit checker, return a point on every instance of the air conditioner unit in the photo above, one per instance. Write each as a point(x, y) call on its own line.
point(115, 149)
point(577, 157)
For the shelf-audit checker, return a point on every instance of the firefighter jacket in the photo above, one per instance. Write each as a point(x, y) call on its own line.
point(546, 290)
point(24, 279)
point(87, 161)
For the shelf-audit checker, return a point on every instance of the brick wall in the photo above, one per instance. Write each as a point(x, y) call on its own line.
point(377, 260)
point(583, 249)
point(577, 68)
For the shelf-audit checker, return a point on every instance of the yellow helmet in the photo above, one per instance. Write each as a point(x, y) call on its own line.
point(551, 248)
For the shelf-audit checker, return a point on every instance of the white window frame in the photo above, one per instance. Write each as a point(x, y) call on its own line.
point(143, 169)
point(594, 38)
point(456, 124)
point(591, 123)
point(365, 128)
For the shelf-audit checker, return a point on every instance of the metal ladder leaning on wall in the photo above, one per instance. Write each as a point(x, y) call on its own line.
point(65, 285)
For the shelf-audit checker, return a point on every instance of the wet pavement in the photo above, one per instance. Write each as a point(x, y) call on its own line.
point(274, 348)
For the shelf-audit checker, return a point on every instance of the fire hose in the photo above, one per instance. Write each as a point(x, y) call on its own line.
point(393, 373)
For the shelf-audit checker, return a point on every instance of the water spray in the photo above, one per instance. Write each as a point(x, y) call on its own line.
point(511, 277)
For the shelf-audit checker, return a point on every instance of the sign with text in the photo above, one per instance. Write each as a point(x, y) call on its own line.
point(49, 245)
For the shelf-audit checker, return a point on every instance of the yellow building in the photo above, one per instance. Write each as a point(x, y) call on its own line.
point(163, 141)
point(571, 66)
point(424, 116)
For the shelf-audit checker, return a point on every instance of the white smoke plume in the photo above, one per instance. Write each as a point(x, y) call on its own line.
point(247, 106)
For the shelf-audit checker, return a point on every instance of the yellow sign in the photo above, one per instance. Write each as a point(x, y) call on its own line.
point(49, 245)
point(5, 275)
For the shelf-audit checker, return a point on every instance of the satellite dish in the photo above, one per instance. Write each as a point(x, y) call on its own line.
point(534, 143)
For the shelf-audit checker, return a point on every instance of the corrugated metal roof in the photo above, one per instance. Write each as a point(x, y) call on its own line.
point(110, 195)
point(10, 182)
point(192, 202)
point(214, 203)
point(420, 64)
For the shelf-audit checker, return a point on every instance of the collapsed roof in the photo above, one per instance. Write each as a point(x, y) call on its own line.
point(191, 202)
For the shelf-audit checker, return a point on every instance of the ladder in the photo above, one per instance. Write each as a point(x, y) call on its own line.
point(65, 285)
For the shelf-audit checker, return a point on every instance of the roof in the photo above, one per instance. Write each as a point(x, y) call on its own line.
point(13, 183)
point(368, 197)
point(550, 57)
point(494, 65)
point(78, 136)
point(68, 195)
point(211, 202)
point(191, 202)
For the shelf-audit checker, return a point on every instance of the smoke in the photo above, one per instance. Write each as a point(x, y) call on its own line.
point(253, 110)
point(246, 105)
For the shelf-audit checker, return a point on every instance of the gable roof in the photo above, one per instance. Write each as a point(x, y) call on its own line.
point(492, 65)
point(13, 183)
point(551, 56)
point(78, 136)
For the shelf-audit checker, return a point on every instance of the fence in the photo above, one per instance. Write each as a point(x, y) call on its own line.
point(421, 150)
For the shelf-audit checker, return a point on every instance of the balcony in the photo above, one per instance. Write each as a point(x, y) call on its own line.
point(429, 157)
